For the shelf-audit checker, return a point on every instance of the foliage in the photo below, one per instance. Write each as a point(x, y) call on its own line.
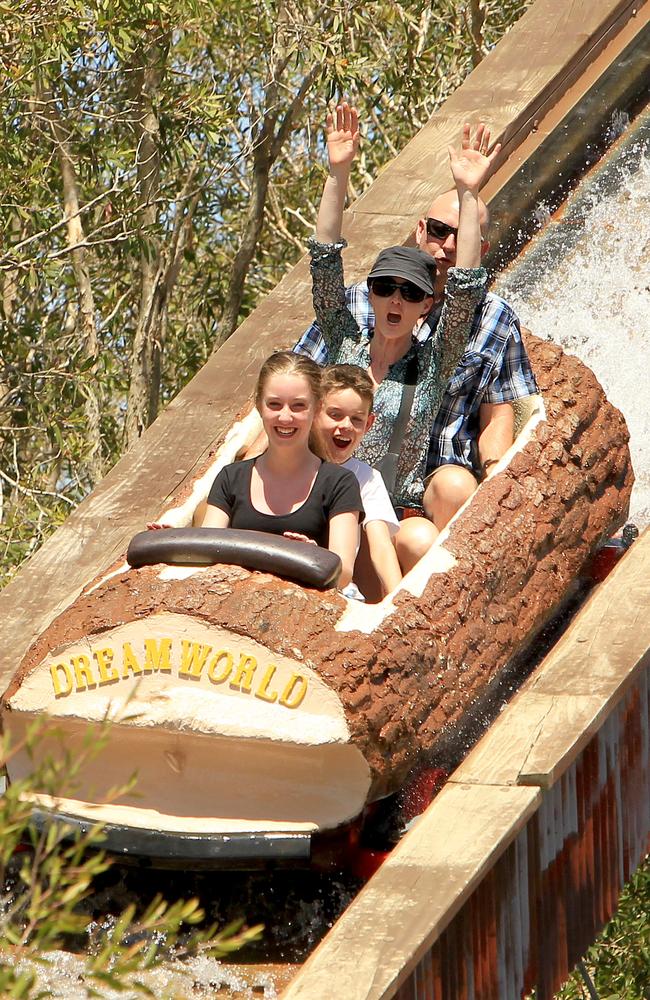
point(619, 962)
point(617, 966)
point(42, 889)
point(159, 166)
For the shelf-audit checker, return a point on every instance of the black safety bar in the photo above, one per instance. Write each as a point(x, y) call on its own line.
point(308, 564)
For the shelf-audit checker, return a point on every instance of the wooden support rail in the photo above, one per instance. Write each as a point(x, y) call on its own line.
point(518, 863)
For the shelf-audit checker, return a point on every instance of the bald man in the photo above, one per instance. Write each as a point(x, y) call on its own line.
point(475, 423)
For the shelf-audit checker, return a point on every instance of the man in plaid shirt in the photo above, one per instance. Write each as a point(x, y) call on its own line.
point(475, 423)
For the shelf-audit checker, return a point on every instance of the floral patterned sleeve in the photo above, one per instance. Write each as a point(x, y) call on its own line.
point(335, 320)
point(464, 291)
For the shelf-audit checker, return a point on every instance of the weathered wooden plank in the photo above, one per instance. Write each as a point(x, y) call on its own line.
point(556, 723)
point(511, 89)
point(415, 894)
point(564, 131)
point(605, 647)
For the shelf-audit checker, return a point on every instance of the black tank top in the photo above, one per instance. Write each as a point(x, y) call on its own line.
point(335, 491)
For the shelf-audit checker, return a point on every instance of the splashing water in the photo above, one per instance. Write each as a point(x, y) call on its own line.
point(584, 283)
point(62, 973)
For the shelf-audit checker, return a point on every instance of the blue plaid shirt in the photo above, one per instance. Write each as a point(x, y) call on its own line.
point(494, 369)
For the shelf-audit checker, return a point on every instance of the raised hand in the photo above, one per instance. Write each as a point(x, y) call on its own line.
point(471, 165)
point(342, 135)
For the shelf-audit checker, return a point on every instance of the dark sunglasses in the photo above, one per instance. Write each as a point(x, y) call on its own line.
point(437, 230)
point(383, 287)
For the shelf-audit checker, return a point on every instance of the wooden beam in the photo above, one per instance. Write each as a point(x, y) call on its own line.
point(525, 75)
point(415, 894)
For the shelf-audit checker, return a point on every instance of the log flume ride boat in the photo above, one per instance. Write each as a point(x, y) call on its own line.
point(259, 711)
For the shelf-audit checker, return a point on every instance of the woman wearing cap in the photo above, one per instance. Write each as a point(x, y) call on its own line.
point(401, 292)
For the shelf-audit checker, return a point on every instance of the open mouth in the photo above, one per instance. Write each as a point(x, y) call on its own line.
point(394, 318)
point(285, 432)
point(342, 443)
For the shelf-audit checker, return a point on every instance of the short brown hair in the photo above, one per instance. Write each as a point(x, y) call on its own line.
point(338, 377)
point(289, 363)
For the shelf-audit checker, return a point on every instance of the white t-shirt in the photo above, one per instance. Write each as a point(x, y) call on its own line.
point(374, 495)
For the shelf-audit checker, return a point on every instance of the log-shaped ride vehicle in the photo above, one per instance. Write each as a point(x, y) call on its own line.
point(256, 705)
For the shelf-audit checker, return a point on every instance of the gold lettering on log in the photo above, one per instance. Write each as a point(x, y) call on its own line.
point(218, 677)
point(243, 678)
point(157, 656)
point(193, 659)
point(263, 690)
point(129, 662)
point(59, 691)
point(294, 692)
point(82, 672)
point(108, 674)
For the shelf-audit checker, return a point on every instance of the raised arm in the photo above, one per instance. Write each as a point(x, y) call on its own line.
point(342, 146)
point(470, 167)
point(334, 319)
point(466, 282)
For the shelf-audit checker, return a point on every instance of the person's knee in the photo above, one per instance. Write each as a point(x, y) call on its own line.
point(447, 490)
point(413, 540)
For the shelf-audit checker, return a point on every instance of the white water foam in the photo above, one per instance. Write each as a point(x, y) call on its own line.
point(585, 284)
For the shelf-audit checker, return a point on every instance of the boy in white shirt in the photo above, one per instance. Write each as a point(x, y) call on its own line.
point(344, 417)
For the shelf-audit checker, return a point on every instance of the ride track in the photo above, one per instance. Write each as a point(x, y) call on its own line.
point(519, 861)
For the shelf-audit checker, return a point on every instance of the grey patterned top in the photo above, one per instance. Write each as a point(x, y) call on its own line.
point(437, 359)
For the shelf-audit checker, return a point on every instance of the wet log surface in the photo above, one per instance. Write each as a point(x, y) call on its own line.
point(519, 544)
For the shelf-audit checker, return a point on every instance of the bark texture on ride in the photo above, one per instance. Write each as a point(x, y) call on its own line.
point(521, 541)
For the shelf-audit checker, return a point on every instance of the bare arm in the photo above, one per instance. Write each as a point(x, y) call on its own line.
point(496, 434)
point(383, 555)
point(342, 146)
point(470, 168)
point(342, 539)
point(214, 517)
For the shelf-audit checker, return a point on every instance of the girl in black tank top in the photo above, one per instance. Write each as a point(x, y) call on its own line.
point(288, 490)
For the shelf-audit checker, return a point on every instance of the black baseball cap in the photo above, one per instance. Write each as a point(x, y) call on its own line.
point(409, 263)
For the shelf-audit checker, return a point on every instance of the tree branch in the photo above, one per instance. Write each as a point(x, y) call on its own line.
point(477, 19)
point(76, 237)
point(144, 386)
